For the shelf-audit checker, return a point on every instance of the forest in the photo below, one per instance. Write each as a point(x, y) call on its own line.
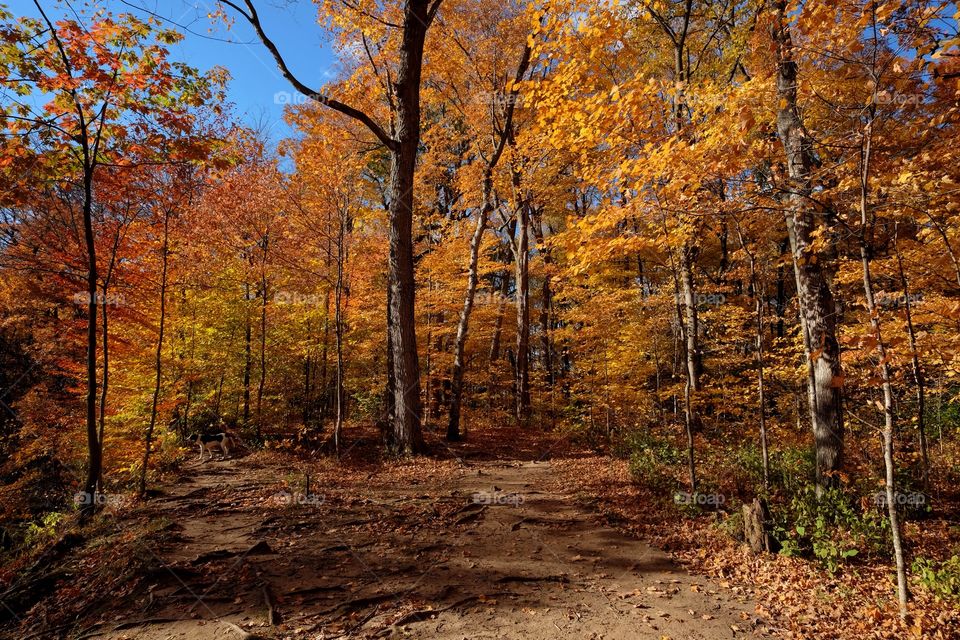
point(569, 318)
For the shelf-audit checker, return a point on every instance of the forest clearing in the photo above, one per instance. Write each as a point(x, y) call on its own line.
point(479, 319)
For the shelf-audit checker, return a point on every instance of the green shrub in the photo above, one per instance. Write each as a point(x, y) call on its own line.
point(45, 529)
point(585, 433)
point(732, 525)
point(943, 416)
point(941, 579)
point(792, 469)
point(748, 460)
point(653, 474)
point(828, 528)
point(653, 447)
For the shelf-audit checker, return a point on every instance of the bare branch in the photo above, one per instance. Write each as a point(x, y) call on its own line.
point(336, 105)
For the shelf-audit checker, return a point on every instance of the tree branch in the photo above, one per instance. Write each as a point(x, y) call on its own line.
point(336, 105)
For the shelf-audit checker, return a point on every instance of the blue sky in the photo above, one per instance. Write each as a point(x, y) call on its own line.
point(256, 87)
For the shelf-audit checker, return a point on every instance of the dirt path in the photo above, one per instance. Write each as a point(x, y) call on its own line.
point(483, 551)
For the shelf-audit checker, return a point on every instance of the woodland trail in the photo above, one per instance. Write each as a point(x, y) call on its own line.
point(483, 550)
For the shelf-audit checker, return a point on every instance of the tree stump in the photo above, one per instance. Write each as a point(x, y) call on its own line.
point(756, 527)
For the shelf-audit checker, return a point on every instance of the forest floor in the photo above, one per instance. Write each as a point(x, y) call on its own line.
point(454, 546)
point(511, 534)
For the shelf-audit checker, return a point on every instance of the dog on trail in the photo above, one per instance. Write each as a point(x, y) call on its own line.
point(210, 441)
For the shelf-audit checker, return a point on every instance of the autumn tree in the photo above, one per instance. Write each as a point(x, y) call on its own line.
point(407, 23)
point(93, 95)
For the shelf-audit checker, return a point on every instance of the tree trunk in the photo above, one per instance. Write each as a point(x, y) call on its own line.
point(407, 438)
point(158, 369)
point(105, 339)
point(219, 398)
point(104, 375)
point(523, 316)
point(501, 311)
point(248, 355)
point(325, 359)
point(307, 381)
point(682, 327)
point(917, 370)
point(693, 356)
point(487, 206)
point(885, 371)
point(456, 381)
point(264, 283)
point(390, 401)
point(761, 389)
point(546, 296)
point(338, 303)
point(815, 299)
point(94, 446)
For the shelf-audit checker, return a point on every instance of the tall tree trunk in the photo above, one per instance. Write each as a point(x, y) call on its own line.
point(918, 377)
point(325, 353)
point(158, 369)
point(428, 396)
point(694, 360)
point(105, 339)
point(402, 142)
point(456, 381)
point(487, 206)
point(885, 372)
point(815, 299)
point(523, 315)
point(216, 405)
point(104, 375)
point(248, 355)
point(94, 446)
point(407, 437)
point(391, 398)
point(307, 381)
point(681, 308)
point(501, 311)
point(758, 300)
point(264, 284)
point(546, 296)
point(338, 302)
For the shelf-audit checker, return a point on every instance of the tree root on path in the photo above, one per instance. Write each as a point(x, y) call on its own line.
point(244, 635)
point(259, 549)
point(359, 603)
point(558, 578)
point(422, 615)
point(273, 616)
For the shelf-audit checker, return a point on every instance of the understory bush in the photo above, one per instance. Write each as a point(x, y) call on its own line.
point(829, 528)
point(653, 461)
point(942, 579)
